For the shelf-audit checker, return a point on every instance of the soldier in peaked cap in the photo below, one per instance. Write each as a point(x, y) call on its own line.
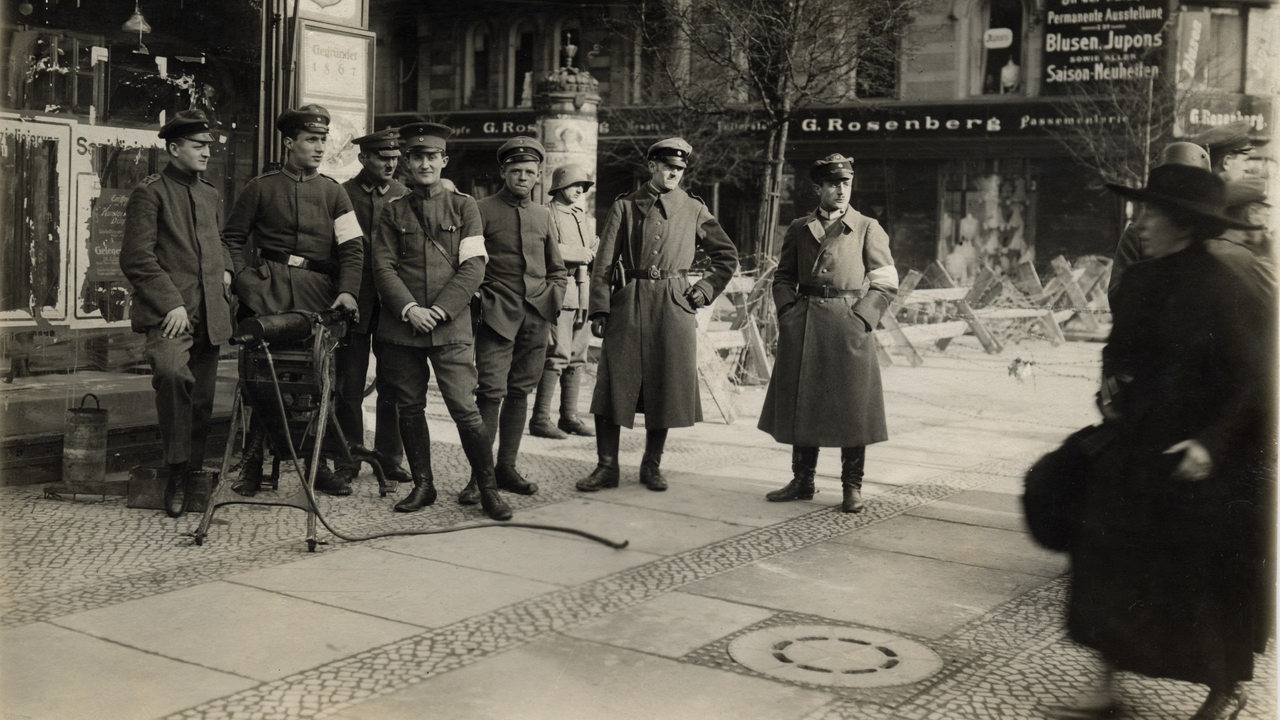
point(181, 274)
point(1229, 147)
point(428, 261)
point(648, 361)
point(369, 191)
point(310, 253)
point(567, 344)
point(834, 280)
point(521, 296)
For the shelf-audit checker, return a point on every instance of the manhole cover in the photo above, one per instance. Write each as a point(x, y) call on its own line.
point(834, 655)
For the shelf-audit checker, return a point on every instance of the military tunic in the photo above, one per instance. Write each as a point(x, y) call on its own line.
point(173, 257)
point(525, 269)
point(825, 389)
point(306, 216)
point(578, 243)
point(650, 349)
point(368, 196)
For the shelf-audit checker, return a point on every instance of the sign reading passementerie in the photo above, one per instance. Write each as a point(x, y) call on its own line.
point(1092, 42)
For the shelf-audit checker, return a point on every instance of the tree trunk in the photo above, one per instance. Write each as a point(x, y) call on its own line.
point(772, 198)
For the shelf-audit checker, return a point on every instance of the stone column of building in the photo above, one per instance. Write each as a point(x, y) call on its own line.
point(567, 101)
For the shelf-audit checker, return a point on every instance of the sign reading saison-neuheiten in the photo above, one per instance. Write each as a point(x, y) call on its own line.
point(1096, 42)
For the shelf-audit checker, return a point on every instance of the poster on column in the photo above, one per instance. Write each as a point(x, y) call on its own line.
point(335, 70)
point(1096, 45)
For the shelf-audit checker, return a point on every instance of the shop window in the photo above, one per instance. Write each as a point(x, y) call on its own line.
point(57, 72)
point(31, 241)
point(1001, 27)
point(986, 209)
point(520, 66)
point(477, 68)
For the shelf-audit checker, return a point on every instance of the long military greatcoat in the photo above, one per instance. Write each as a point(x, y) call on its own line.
point(173, 254)
point(649, 357)
point(825, 389)
point(368, 196)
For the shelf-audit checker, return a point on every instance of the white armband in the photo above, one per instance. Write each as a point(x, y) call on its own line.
point(886, 276)
point(347, 227)
point(472, 246)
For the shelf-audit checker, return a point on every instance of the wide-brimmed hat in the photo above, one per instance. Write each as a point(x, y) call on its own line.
point(1187, 188)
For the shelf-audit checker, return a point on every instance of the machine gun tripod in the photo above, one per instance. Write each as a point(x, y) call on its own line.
point(286, 383)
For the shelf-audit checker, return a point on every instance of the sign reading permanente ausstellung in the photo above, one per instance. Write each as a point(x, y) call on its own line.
point(1092, 42)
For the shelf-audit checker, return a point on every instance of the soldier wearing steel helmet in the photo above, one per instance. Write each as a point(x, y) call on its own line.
point(181, 276)
point(648, 360)
point(567, 345)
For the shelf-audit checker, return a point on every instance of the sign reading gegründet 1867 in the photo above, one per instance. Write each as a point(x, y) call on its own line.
point(1090, 43)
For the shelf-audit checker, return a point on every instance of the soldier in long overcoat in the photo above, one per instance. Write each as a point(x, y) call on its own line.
point(310, 253)
point(835, 278)
point(369, 191)
point(181, 275)
point(643, 306)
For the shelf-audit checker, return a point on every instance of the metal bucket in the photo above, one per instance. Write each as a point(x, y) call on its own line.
point(84, 446)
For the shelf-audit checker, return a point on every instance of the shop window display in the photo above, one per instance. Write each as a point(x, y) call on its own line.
point(987, 206)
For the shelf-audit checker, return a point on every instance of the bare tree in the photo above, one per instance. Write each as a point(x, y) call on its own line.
point(756, 63)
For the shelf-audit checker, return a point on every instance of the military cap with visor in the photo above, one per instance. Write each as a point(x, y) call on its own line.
point(1227, 139)
point(384, 143)
point(310, 118)
point(831, 168)
point(192, 124)
point(521, 149)
point(674, 151)
point(424, 136)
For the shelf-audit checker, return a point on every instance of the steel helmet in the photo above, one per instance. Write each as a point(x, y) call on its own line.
point(570, 174)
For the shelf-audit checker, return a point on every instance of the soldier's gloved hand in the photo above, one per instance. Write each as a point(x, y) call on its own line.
point(579, 318)
point(695, 297)
point(598, 324)
point(347, 301)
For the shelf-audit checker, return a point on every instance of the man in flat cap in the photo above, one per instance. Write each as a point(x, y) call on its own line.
point(524, 285)
point(428, 261)
point(643, 306)
point(369, 191)
point(181, 276)
point(567, 344)
point(834, 280)
point(310, 253)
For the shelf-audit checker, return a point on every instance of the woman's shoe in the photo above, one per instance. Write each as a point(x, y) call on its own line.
point(1222, 705)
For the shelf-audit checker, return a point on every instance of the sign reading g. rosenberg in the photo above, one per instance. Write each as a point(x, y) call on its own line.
point(1091, 42)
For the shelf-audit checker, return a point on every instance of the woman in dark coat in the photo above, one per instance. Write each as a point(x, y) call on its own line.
point(1171, 566)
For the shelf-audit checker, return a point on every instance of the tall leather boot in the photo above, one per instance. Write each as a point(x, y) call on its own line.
point(804, 461)
point(852, 462)
point(540, 424)
point(475, 444)
point(251, 462)
point(606, 473)
point(655, 440)
point(489, 410)
point(386, 440)
point(510, 433)
point(570, 386)
point(175, 489)
point(417, 446)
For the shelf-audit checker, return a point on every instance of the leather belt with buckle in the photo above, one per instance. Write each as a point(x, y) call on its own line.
point(827, 291)
point(654, 273)
point(285, 258)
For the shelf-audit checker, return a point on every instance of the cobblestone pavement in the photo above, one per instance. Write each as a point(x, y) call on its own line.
point(72, 555)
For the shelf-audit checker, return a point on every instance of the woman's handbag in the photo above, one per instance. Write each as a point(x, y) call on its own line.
point(1054, 488)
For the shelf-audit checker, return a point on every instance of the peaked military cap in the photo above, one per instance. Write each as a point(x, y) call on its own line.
point(521, 149)
point(1226, 139)
point(832, 167)
point(424, 135)
point(384, 143)
point(672, 150)
point(187, 124)
point(312, 118)
point(1244, 191)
